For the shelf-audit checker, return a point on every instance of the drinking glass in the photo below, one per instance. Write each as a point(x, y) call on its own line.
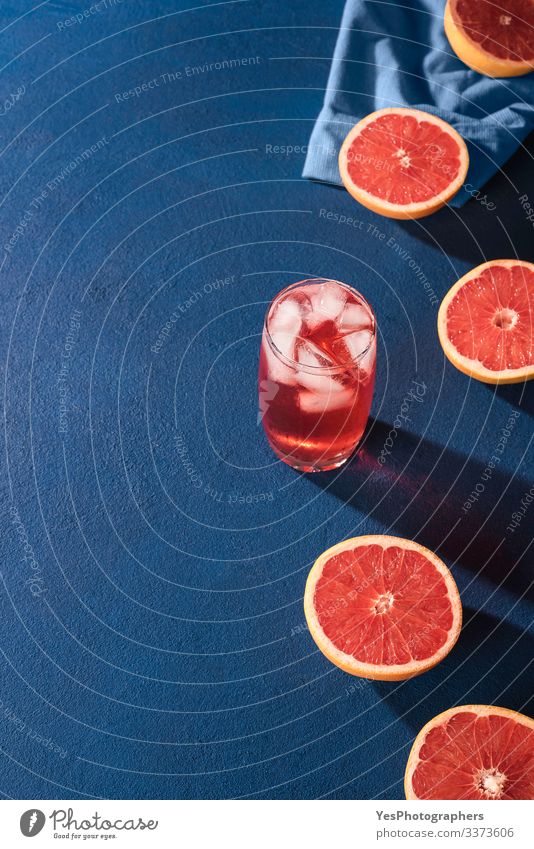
point(316, 373)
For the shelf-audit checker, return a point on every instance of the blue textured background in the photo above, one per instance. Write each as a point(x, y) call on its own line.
point(153, 552)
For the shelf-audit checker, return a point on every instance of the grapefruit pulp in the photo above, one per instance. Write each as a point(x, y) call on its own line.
point(382, 607)
point(403, 163)
point(486, 322)
point(493, 38)
point(473, 752)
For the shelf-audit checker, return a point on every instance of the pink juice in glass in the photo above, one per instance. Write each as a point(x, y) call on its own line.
point(317, 373)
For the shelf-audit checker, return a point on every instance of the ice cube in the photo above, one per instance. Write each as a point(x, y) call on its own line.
point(285, 341)
point(322, 384)
point(286, 316)
point(285, 326)
point(277, 370)
point(299, 296)
point(368, 361)
point(354, 317)
point(309, 354)
point(312, 402)
point(329, 300)
point(312, 322)
point(314, 358)
point(355, 344)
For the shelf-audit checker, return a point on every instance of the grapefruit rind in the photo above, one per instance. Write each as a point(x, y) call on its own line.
point(410, 210)
point(346, 662)
point(474, 368)
point(479, 710)
point(471, 54)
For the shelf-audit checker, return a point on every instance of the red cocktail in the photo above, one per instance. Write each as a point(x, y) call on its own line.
point(317, 373)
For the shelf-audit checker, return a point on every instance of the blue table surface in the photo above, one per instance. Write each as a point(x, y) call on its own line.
point(154, 552)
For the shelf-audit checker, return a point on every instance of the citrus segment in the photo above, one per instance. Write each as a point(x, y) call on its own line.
point(382, 607)
point(403, 163)
point(486, 322)
point(496, 39)
point(473, 752)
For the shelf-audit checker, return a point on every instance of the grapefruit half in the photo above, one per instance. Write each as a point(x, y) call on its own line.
point(473, 752)
point(486, 322)
point(493, 38)
point(382, 607)
point(403, 163)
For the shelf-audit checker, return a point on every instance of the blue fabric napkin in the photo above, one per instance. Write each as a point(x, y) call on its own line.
point(397, 54)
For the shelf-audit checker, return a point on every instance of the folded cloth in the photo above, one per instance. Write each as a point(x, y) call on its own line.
point(397, 54)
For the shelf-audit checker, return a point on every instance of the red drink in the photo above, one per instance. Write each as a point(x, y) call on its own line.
point(317, 373)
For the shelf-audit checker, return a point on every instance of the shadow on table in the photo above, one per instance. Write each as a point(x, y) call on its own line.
point(476, 233)
point(492, 662)
point(451, 503)
point(519, 395)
